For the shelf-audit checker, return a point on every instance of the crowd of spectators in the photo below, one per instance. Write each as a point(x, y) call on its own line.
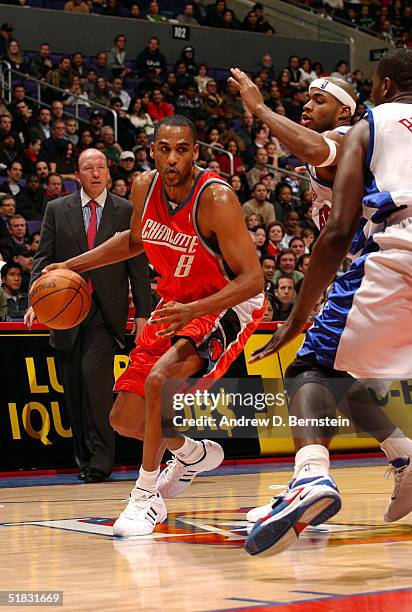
point(39, 146)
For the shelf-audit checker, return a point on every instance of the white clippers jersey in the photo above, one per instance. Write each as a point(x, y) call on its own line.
point(322, 190)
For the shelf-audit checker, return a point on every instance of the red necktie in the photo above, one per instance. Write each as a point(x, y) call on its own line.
point(91, 233)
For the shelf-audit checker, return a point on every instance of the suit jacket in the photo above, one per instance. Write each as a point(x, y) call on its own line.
point(63, 236)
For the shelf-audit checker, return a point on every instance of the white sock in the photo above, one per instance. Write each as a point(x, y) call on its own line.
point(148, 480)
point(311, 460)
point(397, 445)
point(190, 452)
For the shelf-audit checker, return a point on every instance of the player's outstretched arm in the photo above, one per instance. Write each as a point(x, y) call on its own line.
point(121, 246)
point(334, 241)
point(220, 218)
point(302, 142)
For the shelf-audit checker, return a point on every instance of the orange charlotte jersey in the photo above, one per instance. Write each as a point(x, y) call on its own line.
point(189, 268)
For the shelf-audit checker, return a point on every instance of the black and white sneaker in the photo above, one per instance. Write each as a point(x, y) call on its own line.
point(143, 512)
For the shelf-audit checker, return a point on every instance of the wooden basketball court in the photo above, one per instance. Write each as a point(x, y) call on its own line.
point(55, 534)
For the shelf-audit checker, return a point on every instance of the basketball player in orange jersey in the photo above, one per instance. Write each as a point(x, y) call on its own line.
point(190, 224)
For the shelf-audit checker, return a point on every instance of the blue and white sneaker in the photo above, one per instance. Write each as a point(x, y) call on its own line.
point(308, 501)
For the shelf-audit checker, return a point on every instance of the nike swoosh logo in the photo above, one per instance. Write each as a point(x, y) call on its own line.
point(305, 495)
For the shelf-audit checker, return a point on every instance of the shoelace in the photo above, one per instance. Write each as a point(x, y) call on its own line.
point(137, 503)
point(397, 476)
point(284, 488)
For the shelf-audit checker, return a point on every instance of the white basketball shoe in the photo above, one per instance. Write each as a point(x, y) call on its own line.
point(177, 476)
point(255, 514)
point(143, 512)
point(401, 501)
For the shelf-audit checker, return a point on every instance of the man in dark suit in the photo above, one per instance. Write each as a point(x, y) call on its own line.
point(72, 225)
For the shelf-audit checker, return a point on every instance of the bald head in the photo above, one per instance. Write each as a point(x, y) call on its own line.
point(93, 173)
point(91, 155)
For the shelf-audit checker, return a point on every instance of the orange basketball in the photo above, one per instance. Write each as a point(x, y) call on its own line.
point(60, 299)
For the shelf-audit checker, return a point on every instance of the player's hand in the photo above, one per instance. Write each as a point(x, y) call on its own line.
point(285, 334)
point(29, 317)
point(175, 315)
point(251, 94)
point(137, 327)
point(54, 266)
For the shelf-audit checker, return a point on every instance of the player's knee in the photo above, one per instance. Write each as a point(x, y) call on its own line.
point(155, 381)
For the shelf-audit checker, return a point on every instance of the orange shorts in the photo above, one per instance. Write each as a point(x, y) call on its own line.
point(218, 339)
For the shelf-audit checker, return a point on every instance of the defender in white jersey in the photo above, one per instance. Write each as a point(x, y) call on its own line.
point(312, 496)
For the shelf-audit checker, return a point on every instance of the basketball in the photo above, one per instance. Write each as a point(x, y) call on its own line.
point(60, 299)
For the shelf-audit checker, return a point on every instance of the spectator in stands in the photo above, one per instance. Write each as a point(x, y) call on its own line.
point(153, 13)
point(283, 200)
point(78, 66)
point(135, 12)
point(77, 6)
point(270, 308)
point(117, 91)
point(259, 240)
point(285, 295)
point(388, 32)
point(18, 95)
point(214, 166)
point(232, 102)
point(251, 23)
point(17, 236)
point(57, 110)
point(294, 108)
point(48, 148)
point(263, 21)
point(202, 78)
point(307, 73)
point(125, 168)
point(42, 172)
point(138, 117)
point(214, 17)
point(77, 95)
point(34, 241)
point(230, 22)
point(151, 57)
point(86, 141)
point(238, 185)
point(212, 100)
point(261, 159)
point(8, 150)
point(120, 188)
point(309, 237)
point(54, 187)
point(23, 120)
point(365, 19)
point(101, 67)
point(186, 17)
point(297, 245)
point(31, 199)
point(142, 162)
point(116, 57)
point(259, 205)
point(64, 162)
point(5, 123)
point(14, 176)
point(287, 266)
point(303, 263)
point(41, 129)
point(15, 57)
point(187, 56)
point(61, 76)
point(268, 264)
point(24, 258)
point(6, 33)
point(342, 71)
point(89, 82)
point(7, 210)
point(292, 227)
point(111, 9)
point(189, 102)
point(40, 63)
point(224, 161)
point(112, 149)
point(157, 108)
point(101, 93)
point(295, 73)
point(71, 127)
point(30, 155)
point(275, 231)
point(284, 84)
point(252, 221)
point(17, 301)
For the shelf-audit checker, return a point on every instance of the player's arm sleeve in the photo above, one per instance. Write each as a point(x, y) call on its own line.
point(138, 271)
point(45, 254)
